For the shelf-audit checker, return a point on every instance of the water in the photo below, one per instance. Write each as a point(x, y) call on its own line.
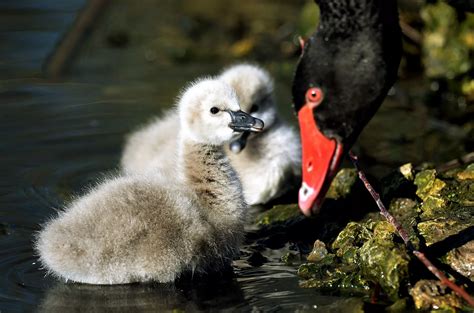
point(58, 139)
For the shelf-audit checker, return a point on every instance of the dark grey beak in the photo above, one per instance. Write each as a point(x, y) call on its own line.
point(242, 122)
point(237, 145)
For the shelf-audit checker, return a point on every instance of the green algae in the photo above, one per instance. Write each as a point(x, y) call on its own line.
point(447, 206)
point(289, 258)
point(342, 184)
point(428, 185)
point(365, 255)
point(278, 214)
point(433, 295)
point(370, 253)
point(446, 42)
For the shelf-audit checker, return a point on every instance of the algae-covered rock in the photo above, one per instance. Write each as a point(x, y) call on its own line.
point(318, 253)
point(384, 261)
point(462, 260)
point(467, 174)
point(405, 210)
point(447, 208)
point(289, 258)
point(432, 295)
point(350, 239)
point(365, 254)
point(278, 214)
point(428, 185)
point(342, 184)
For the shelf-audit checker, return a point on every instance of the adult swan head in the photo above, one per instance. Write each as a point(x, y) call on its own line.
point(344, 73)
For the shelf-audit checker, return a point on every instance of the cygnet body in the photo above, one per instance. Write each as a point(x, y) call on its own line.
point(150, 227)
point(267, 163)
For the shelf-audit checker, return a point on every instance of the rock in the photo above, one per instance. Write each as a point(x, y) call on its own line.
point(278, 214)
point(432, 295)
point(407, 171)
point(467, 174)
point(318, 253)
point(383, 261)
point(342, 184)
point(365, 255)
point(428, 185)
point(289, 258)
point(462, 260)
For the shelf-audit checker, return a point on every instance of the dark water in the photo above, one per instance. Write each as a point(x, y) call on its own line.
point(57, 139)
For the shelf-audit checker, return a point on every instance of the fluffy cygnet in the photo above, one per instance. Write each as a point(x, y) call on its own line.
point(271, 160)
point(266, 162)
point(149, 227)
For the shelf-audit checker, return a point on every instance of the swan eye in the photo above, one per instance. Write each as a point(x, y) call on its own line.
point(214, 110)
point(314, 95)
point(254, 108)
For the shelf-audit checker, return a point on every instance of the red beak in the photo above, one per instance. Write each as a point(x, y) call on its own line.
point(321, 158)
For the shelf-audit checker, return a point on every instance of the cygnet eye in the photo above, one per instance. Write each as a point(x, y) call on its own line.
point(254, 108)
point(214, 110)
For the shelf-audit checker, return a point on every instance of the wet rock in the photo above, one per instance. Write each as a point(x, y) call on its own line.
point(290, 258)
point(384, 261)
point(365, 254)
point(467, 174)
point(432, 295)
point(370, 253)
point(318, 253)
point(462, 260)
point(278, 214)
point(257, 259)
point(342, 184)
point(406, 212)
point(428, 185)
point(447, 205)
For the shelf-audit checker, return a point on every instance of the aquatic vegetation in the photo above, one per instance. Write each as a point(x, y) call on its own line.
point(278, 214)
point(431, 294)
point(447, 42)
point(342, 184)
point(368, 253)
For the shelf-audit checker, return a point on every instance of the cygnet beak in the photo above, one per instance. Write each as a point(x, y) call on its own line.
point(237, 145)
point(242, 122)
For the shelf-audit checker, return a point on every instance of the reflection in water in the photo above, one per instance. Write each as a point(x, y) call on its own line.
point(141, 298)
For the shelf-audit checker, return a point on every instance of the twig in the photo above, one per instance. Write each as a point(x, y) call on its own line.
point(468, 158)
point(411, 32)
point(66, 48)
point(401, 231)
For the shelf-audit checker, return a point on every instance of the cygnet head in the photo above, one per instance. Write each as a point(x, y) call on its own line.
point(254, 87)
point(210, 113)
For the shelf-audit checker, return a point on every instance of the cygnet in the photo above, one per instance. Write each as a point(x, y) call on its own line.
point(152, 227)
point(268, 163)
